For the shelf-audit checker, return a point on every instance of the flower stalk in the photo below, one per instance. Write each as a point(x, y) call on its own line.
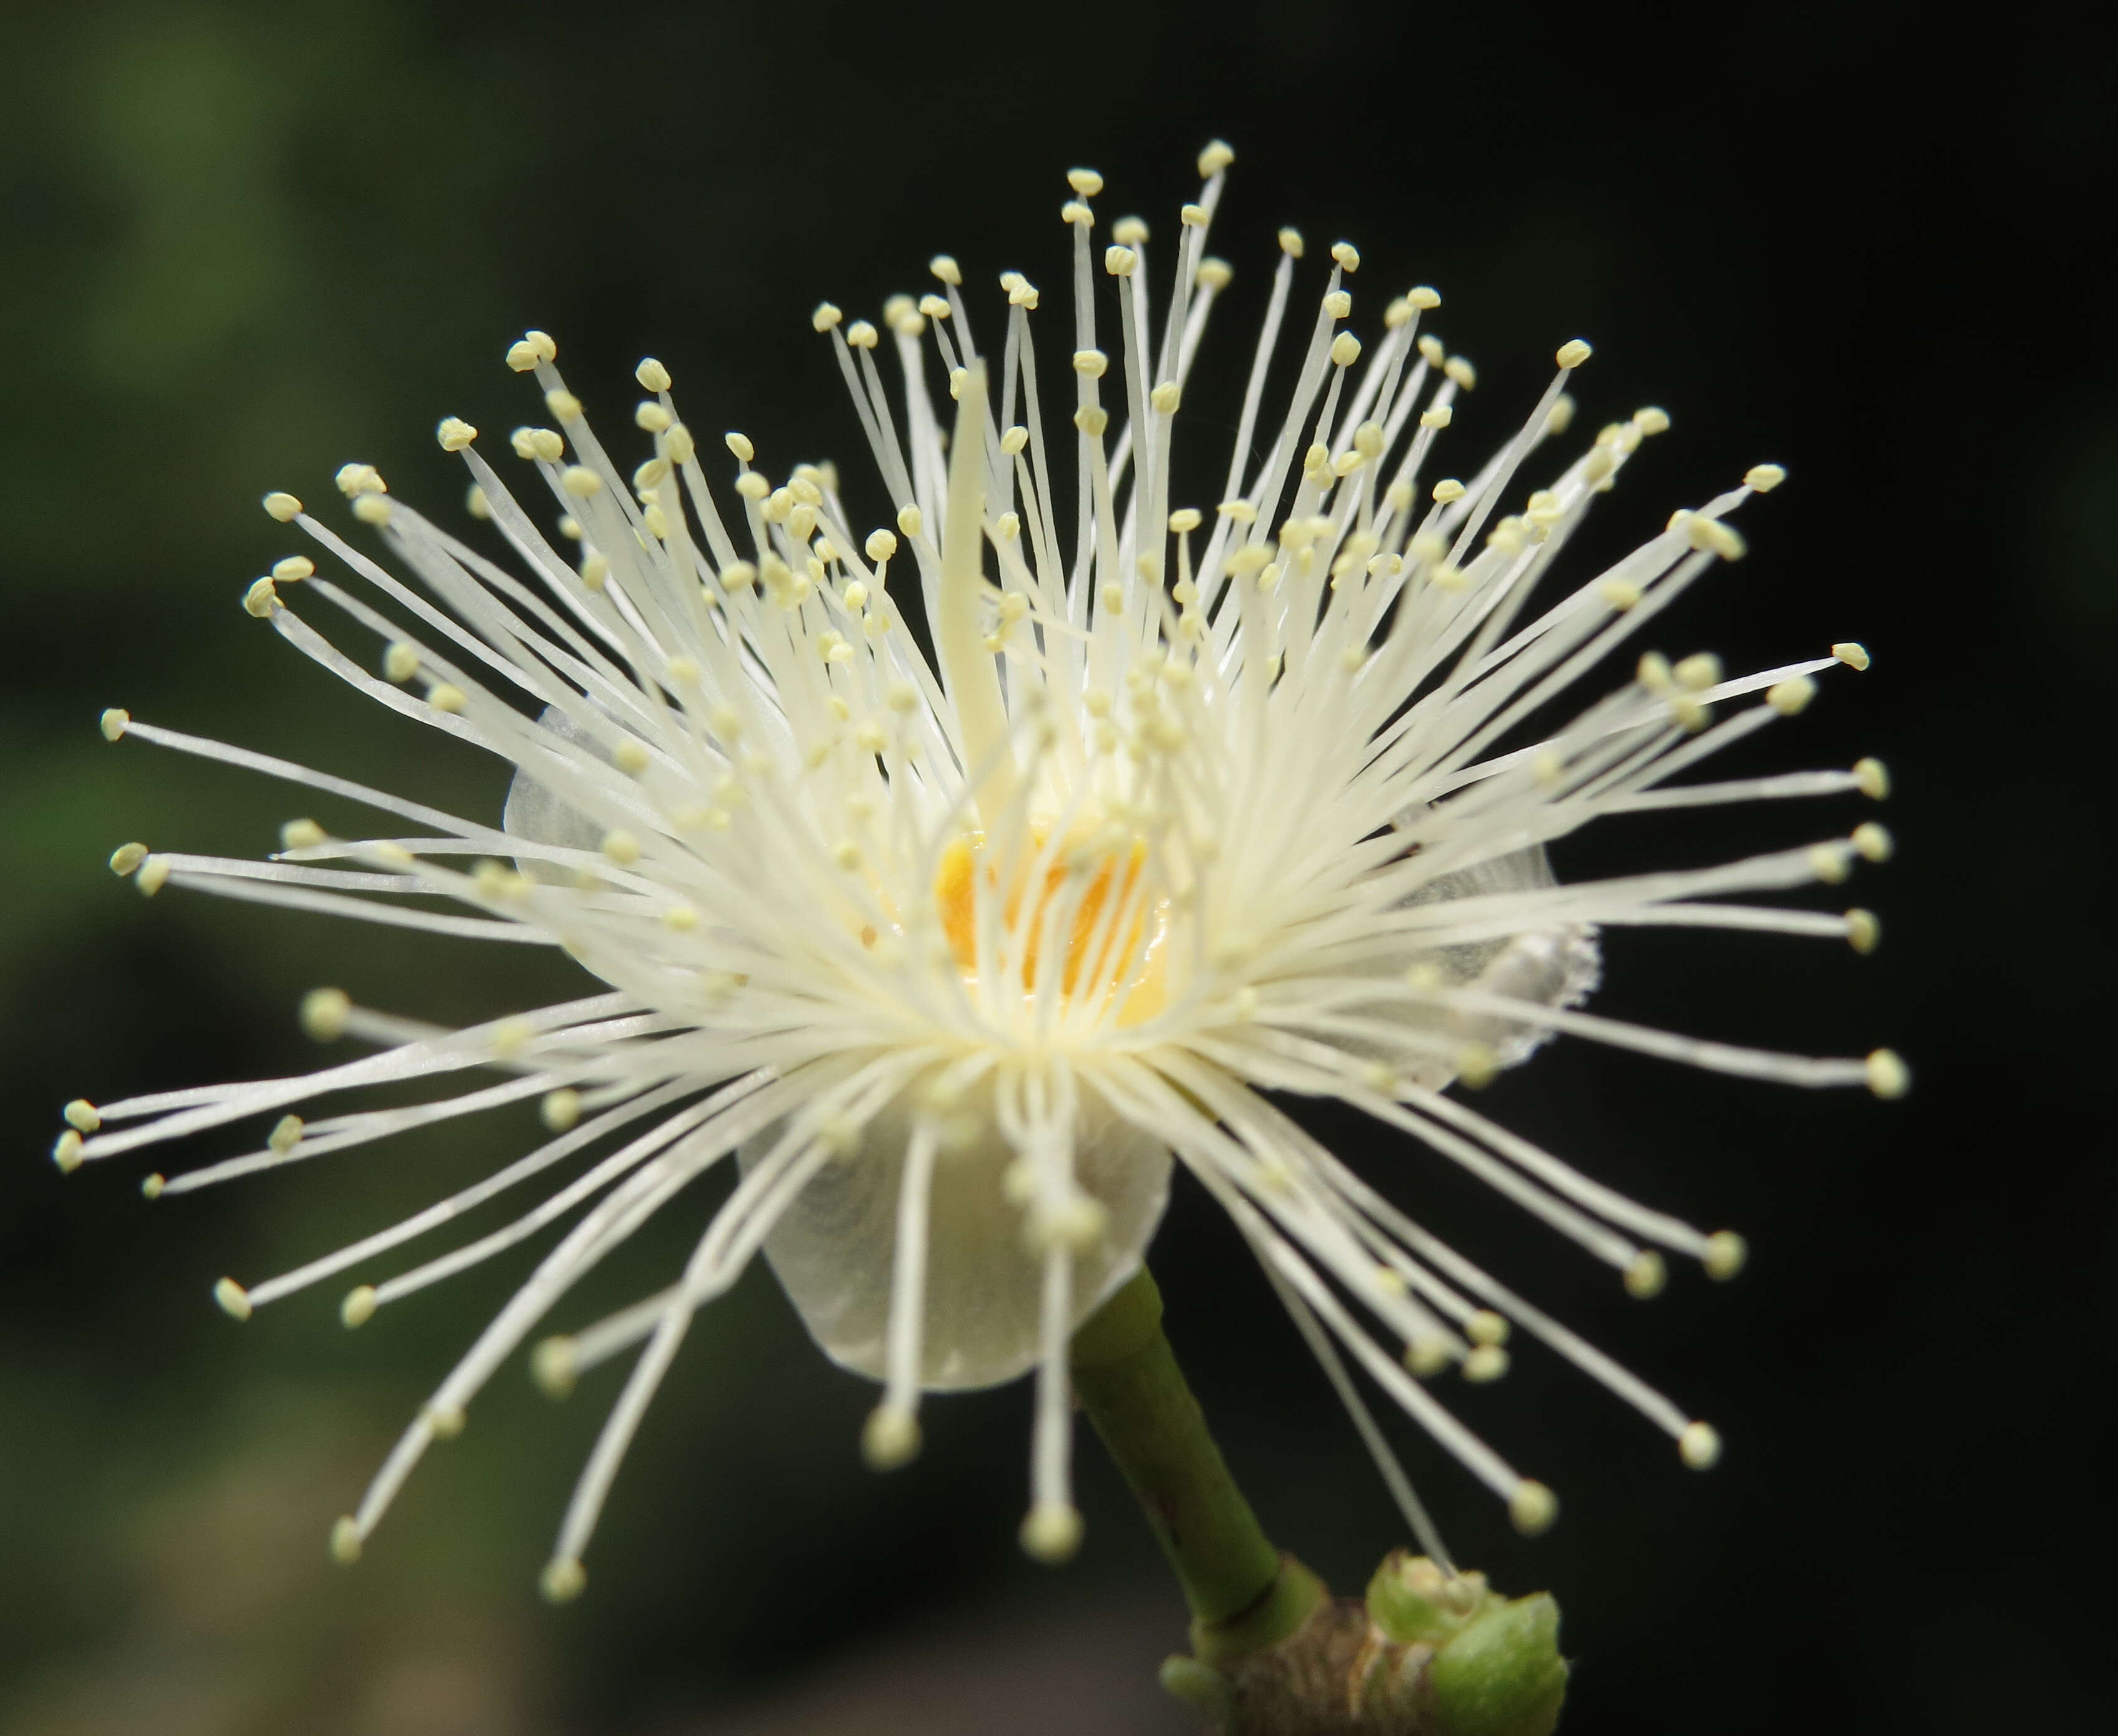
point(1142, 1407)
point(1427, 1651)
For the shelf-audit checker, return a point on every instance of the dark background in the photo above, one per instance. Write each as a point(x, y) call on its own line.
point(240, 244)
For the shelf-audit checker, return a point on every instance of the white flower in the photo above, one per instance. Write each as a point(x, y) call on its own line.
point(1192, 805)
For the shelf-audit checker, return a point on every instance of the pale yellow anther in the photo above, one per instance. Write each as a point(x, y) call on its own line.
point(260, 599)
point(454, 433)
point(581, 481)
point(1476, 1065)
point(631, 756)
point(446, 696)
point(1430, 349)
point(1872, 778)
point(1830, 863)
point(1345, 349)
point(752, 485)
point(1864, 930)
point(153, 876)
point(1052, 1533)
point(1217, 156)
point(1645, 1275)
point(1090, 364)
point(1873, 842)
point(862, 336)
point(324, 1014)
point(560, 1110)
point(1888, 1075)
point(1130, 232)
point(1790, 697)
point(1698, 672)
point(1572, 353)
point(910, 521)
point(652, 375)
point(1723, 540)
point(1460, 370)
point(563, 1581)
point(1192, 216)
point(1561, 417)
point(650, 476)
point(1438, 415)
point(1484, 1363)
point(621, 848)
point(651, 416)
point(1725, 1254)
point(1486, 1326)
point(114, 721)
point(1215, 275)
point(1651, 420)
point(151, 1186)
point(1165, 398)
point(1086, 182)
point(1092, 419)
point(283, 506)
point(301, 834)
point(233, 1299)
point(1423, 298)
point(83, 1115)
point(67, 1152)
point(1119, 261)
point(522, 356)
point(1446, 490)
point(934, 307)
point(285, 1135)
point(1346, 463)
point(1291, 242)
point(738, 575)
point(400, 663)
point(890, 1437)
point(1532, 1507)
point(1700, 1446)
point(358, 1307)
point(1852, 653)
point(372, 509)
point(1621, 594)
point(563, 405)
point(1185, 518)
point(1764, 479)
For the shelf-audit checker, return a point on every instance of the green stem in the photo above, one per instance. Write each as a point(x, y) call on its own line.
point(1242, 1593)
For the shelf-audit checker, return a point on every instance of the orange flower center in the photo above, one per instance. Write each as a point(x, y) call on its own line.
point(1113, 932)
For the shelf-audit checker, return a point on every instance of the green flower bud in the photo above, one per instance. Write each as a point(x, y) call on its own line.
point(1501, 1674)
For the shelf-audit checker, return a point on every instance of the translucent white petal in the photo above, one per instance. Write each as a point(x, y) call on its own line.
point(833, 1248)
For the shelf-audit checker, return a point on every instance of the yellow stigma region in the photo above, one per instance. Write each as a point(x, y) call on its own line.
point(1110, 952)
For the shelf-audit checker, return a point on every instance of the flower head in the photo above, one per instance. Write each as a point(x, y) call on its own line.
point(954, 945)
